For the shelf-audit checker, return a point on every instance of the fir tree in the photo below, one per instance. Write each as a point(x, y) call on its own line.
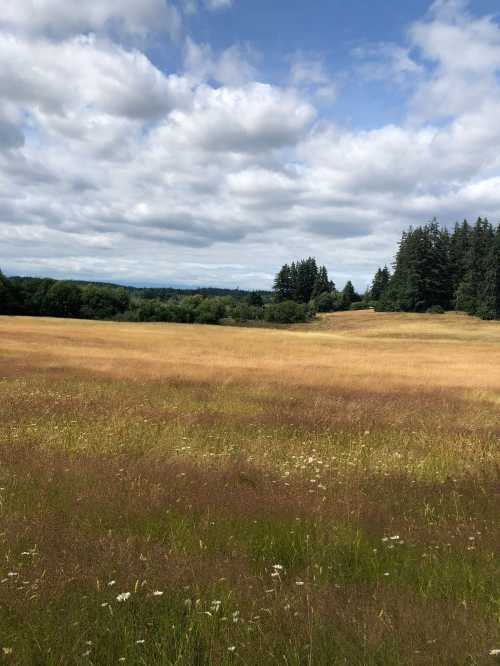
point(283, 284)
point(379, 284)
point(488, 305)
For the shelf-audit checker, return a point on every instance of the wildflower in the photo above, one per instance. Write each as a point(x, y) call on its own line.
point(215, 605)
point(495, 653)
point(278, 567)
point(299, 582)
point(123, 596)
point(141, 641)
point(231, 648)
point(8, 650)
point(157, 593)
point(111, 583)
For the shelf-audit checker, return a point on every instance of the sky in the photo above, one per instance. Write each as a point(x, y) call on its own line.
point(207, 142)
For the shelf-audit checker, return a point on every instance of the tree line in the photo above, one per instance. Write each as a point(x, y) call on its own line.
point(435, 270)
point(54, 298)
point(304, 282)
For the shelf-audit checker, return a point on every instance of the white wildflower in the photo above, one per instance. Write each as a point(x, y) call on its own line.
point(123, 596)
point(157, 593)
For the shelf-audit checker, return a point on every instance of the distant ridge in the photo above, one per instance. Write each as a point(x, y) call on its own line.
point(160, 293)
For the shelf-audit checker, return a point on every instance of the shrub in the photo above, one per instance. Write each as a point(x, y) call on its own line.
point(286, 312)
point(435, 309)
point(363, 305)
point(325, 302)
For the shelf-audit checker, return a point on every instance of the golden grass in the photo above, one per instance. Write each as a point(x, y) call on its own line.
point(365, 350)
point(194, 459)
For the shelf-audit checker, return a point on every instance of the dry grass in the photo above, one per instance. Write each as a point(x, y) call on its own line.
point(193, 460)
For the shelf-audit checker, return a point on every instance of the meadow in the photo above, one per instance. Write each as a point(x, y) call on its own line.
point(200, 495)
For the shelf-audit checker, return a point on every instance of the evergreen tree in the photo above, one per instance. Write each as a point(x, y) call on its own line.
point(301, 281)
point(283, 284)
point(459, 247)
point(488, 305)
point(10, 302)
point(322, 283)
point(349, 296)
point(468, 293)
point(379, 284)
point(307, 274)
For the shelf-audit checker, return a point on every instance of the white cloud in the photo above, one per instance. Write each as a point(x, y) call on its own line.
point(465, 54)
point(250, 119)
point(309, 73)
point(231, 67)
point(110, 167)
point(63, 18)
point(387, 61)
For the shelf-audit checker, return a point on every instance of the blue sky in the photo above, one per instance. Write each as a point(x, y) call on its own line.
point(206, 142)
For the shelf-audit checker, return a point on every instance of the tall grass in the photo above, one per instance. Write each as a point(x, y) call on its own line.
point(187, 495)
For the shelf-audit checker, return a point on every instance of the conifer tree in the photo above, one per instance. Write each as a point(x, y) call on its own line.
point(283, 284)
point(488, 305)
point(379, 284)
point(322, 284)
point(469, 289)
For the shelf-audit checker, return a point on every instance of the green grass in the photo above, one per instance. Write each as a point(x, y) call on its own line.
point(312, 525)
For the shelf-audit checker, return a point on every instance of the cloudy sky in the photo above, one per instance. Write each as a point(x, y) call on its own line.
point(206, 142)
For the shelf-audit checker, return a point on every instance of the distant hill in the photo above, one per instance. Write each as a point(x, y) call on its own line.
point(159, 293)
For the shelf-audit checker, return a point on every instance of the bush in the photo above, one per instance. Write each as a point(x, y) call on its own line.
point(435, 309)
point(363, 305)
point(286, 312)
point(325, 302)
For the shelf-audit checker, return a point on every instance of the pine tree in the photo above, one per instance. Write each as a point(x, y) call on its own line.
point(459, 247)
point(322, 284)
point(307, 274)
point(349, 296)
point(379, 284)
point(488, 305)
point(468, 295)
point(283, 284)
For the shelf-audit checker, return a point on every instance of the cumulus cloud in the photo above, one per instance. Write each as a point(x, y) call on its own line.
point(113, 167)
point(85, 72)
point(63, 18)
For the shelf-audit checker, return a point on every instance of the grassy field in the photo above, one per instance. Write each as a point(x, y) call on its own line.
point(198, 495)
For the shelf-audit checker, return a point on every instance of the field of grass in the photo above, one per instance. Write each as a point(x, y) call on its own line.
point(196, 495)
